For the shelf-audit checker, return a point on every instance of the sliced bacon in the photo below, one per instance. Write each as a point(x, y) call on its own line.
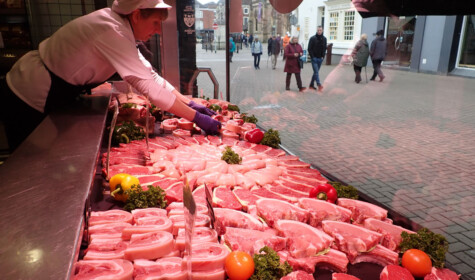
point(149, 246)
point(110, 216)
point(103, 269)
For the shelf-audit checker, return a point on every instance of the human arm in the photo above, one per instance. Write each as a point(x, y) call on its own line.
point(310, 47)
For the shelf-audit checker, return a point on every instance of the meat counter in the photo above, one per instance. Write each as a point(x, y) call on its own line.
point(45, 184)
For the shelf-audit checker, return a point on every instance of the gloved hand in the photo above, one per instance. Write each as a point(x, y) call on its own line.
point(209, 125)
point(200, 108)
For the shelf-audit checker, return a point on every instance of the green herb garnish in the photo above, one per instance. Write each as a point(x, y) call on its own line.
point(249, 119)
point(126, 132)
point(268, 267)
point(271, 138)
point(128, 105)
point(232, 107)
point(138, 198)
point(433, 244)
point(215, 107)
point(231, 157)
point(345, 191)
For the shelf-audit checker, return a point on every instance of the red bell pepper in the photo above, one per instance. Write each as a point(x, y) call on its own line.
point(324, 192)
point(254, 136)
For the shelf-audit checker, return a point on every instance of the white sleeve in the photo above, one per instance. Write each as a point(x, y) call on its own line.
point(158, 79)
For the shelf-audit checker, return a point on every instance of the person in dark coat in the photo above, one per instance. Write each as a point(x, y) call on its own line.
point(292, 54)
point(269, 45)
point(317, 48)
point(360, 56)
point(378, 53)
point(275, 50)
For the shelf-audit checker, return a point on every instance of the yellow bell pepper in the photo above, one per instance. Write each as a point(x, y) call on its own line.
point(120, 183)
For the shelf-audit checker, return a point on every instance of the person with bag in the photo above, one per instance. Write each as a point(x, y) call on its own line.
point(256, 50)
point(378, 53)
point(360, 56)
point(292, 54)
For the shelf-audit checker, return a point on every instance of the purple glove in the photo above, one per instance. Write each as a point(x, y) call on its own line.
point(200, 108)
point(209, 125)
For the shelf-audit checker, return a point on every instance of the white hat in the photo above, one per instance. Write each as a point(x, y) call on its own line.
point(126, 7)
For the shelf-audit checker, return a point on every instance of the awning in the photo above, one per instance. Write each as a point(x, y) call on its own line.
point(373, 8)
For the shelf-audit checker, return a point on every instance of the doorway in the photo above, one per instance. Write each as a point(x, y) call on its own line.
point(400, 37)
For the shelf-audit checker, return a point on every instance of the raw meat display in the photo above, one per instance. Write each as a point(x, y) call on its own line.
point(395, 272)
point(261, 201)
point(103, 269)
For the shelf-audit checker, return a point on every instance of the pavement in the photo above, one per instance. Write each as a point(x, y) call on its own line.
point(405, 142)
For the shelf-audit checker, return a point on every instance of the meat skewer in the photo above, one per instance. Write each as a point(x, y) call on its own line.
point(114, 120)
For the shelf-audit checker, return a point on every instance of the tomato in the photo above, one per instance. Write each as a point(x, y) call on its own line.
point(417, 262)
point(120, 183)
point(239, 265)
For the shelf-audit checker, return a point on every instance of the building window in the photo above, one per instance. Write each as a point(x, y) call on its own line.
point(200, 14)
point(349, 25)
point(246, 11)
point(467, 52)
point(333, 26)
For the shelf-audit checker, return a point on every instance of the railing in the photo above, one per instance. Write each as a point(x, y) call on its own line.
point(211, 76)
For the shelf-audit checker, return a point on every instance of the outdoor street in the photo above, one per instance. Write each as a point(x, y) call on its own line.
point(405, 142)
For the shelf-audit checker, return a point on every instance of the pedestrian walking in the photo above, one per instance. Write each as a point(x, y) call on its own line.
point(256, 50)
point(378, 53)
point(292, 54)
point(275, 51)
point(360, 56)
point(232, 48)
point(269, 45)
point(317, 48)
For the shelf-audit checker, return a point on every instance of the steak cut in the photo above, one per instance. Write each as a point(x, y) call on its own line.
point(351, 239)
point(391, 233)
point(333, 260)
point(272, 210)
point(245, 197)
point(378, 255)
point(103, 269)
point(239, 219)
point(303, 240)
point(322, 210)
point(362, 210)
point(395, 272)
point(223, 197)
point(251, 241)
